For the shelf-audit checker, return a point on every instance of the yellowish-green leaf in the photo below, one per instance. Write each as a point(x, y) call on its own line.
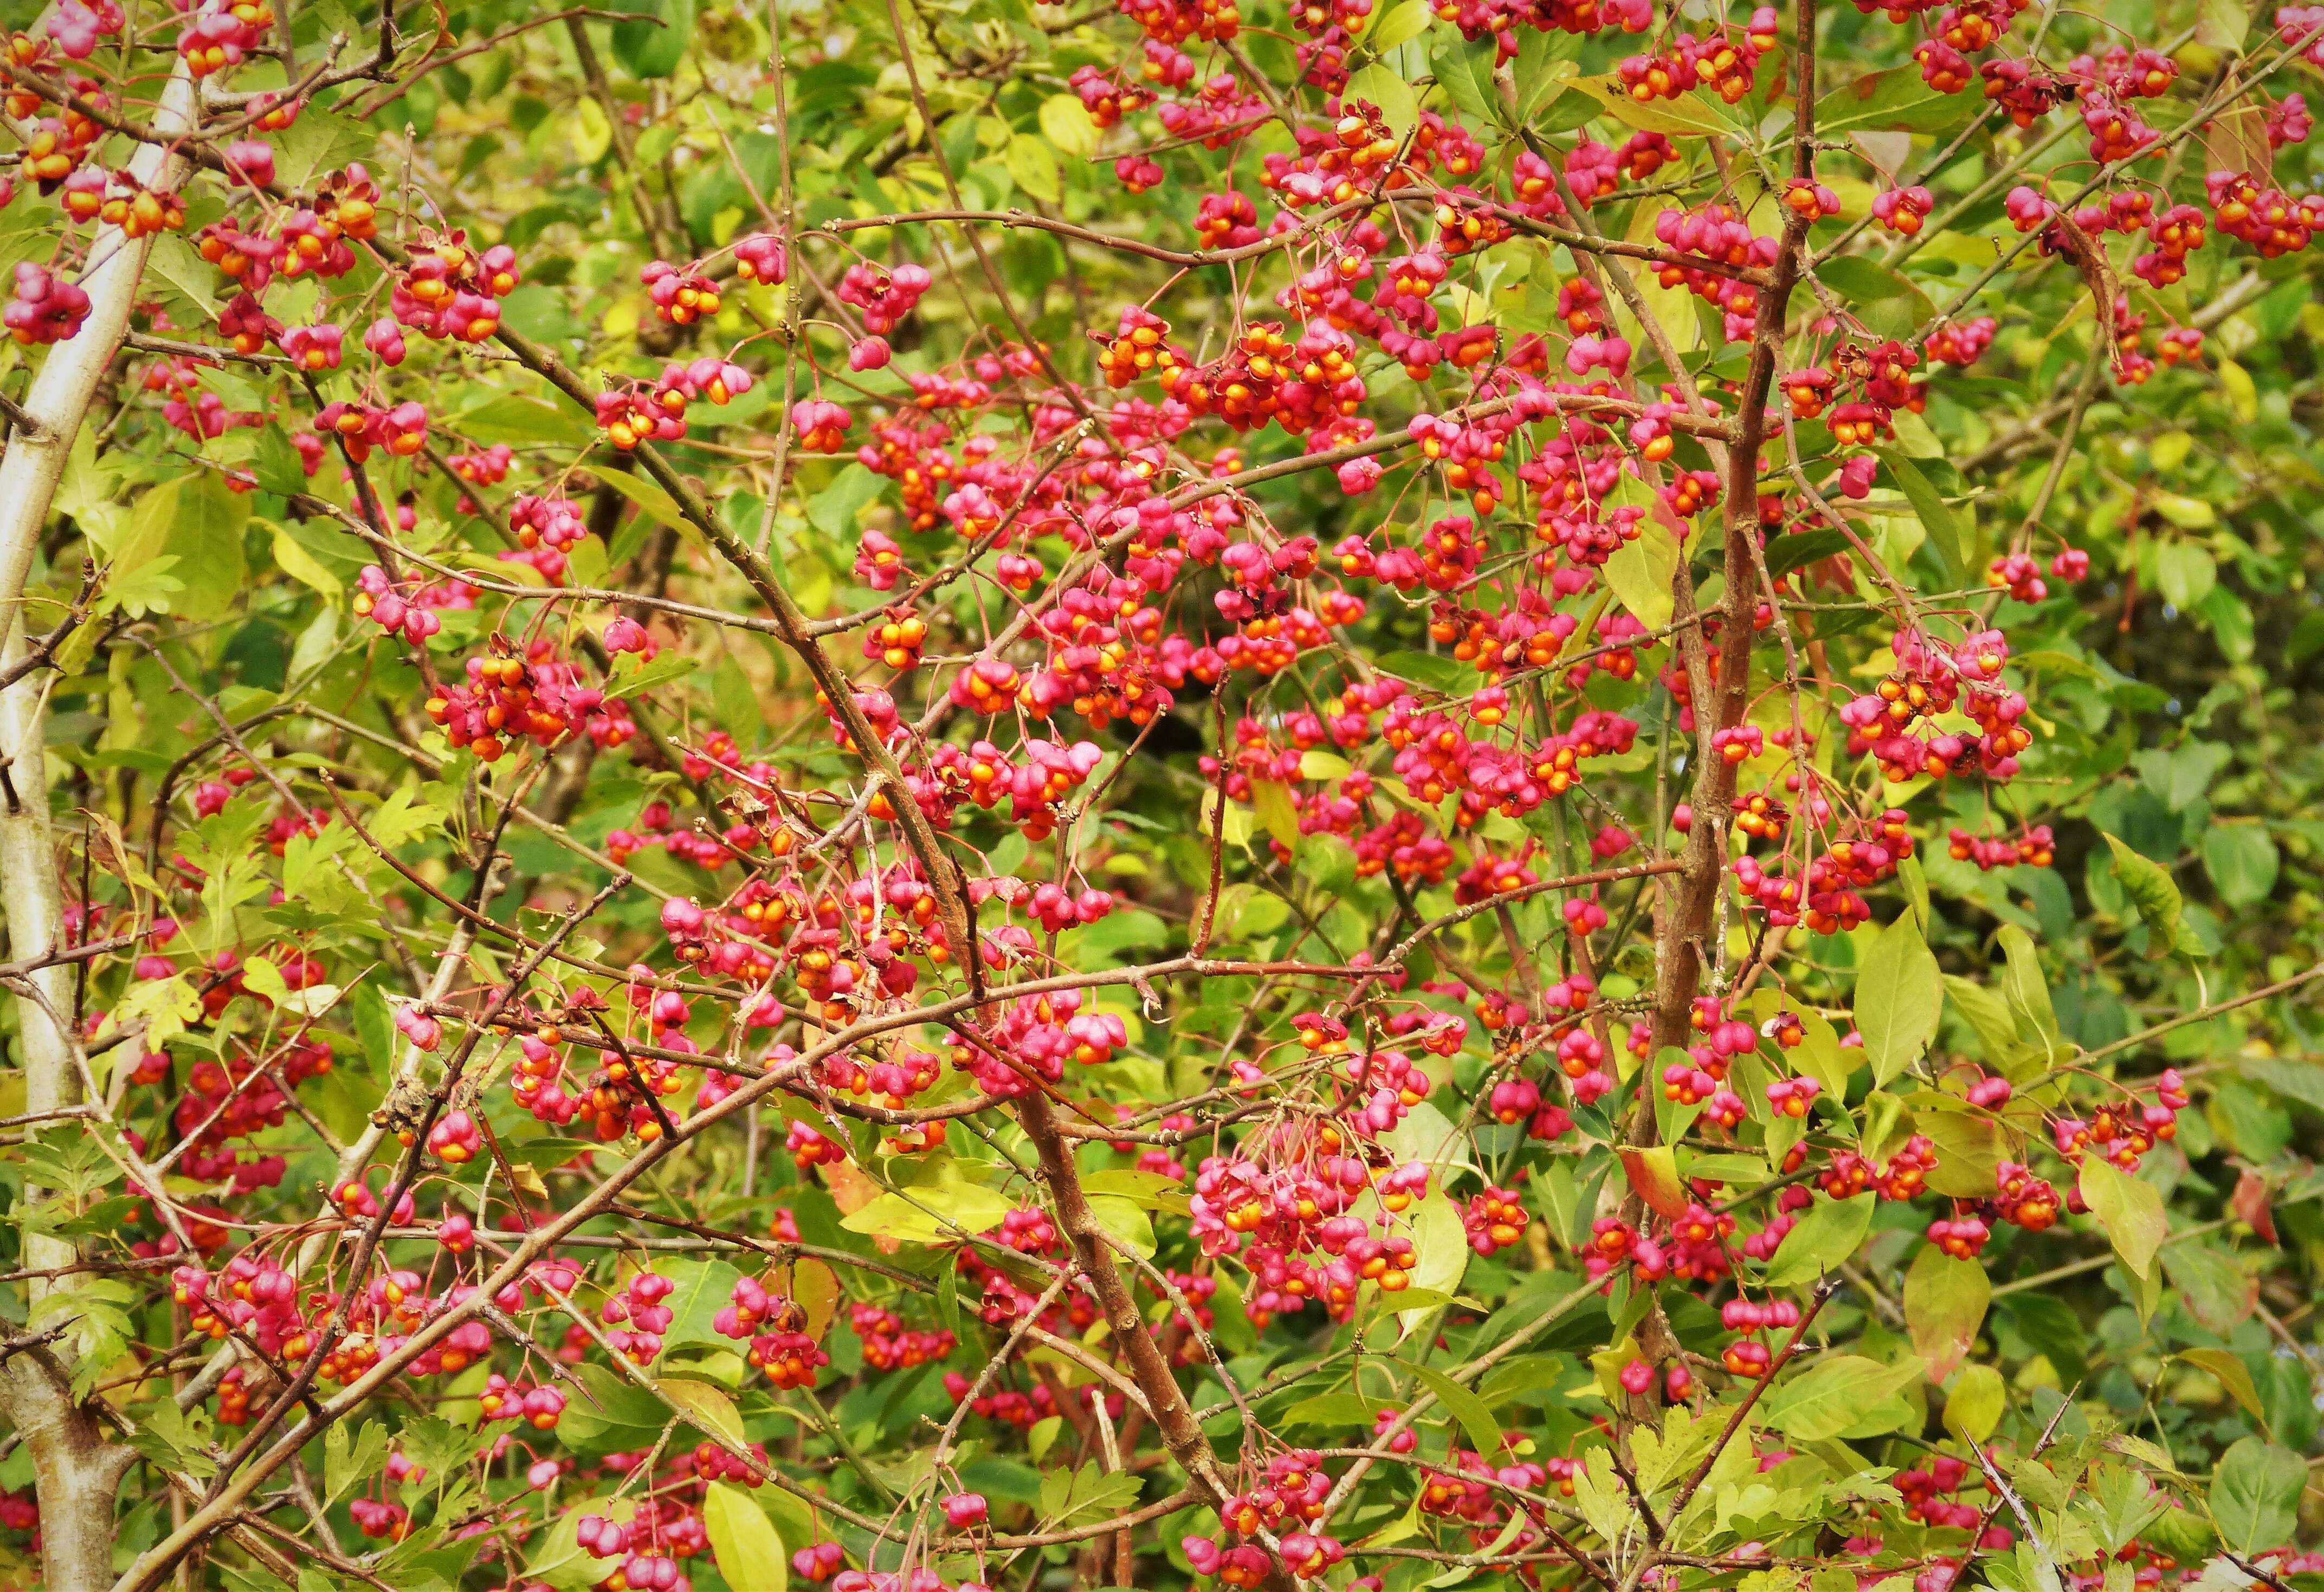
point(935, 1216)
point(1033, 167)
point(2233, 1375)
point(707, 1407)
point(1384, 87)
point(1973, 1407)
point(593, 133)
point(1277, 813)
point(1640, 571)
point(1689, 115)
point(748, 1548)
point(1832, 1394)
point(1945, 1302)
point(304, 567)
point(1897, 996)
point(1406, 22)
point(2129, 1209)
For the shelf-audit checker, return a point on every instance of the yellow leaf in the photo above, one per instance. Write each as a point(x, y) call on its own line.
point(2235, 385)
point(303, 566)
point(1973, 1408)
point(592, 135)
point(1066, 122)
point(623, 318)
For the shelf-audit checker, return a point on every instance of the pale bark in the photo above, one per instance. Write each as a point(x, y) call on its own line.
point(77, 1470)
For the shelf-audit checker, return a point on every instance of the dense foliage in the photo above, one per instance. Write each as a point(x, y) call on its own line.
point(954, 795)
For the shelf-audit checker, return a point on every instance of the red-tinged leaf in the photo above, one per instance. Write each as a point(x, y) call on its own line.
point(2236, 140)
point(2249, 1202)
point(1654, 1173)
point(2091, 261)
point(1945, 1301)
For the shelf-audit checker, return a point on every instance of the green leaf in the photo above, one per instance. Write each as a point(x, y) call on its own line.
point(185, 278)
point(556, 1557)
point(1969, 1149)
point(1406, 22)
point(1833, 1394)
point(1987, 1016)
point(593, 131)
point(2129, 1209)
point(1571, 110)
point(648, 495)
point(196, 521)
point(2184, 572)
point(150, 588)
point(743, 1541)
point(1639, 572)
point(834, 510)
point(2149, 889)
point(548, 1155)
point(1440, 1245)
point(1278, 814)
point(1852, 276)
point(737, 700)
point(1801, 548)
point(1384, 87)
point(1448, 677)
point(2295, 1080)
point(1483, 1432)
point(2255, 1495)
point(1464, 70)
point(1896, 98)
point(277, 464)
point(1945, 1302)
point(2216, 1291)
point(703, 1288)
point(1897, 999)
point(319, 142)
point(513, 419)
point(402, 817)
point(1828, 1234)
point(2222, 25)
point(672, 665)
point(349, 1460)
point(1126, 1219)
point(2242, 861)
point(1070, 1495)
point(2025, 991)
point(1946, 533)
point(653, 46)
